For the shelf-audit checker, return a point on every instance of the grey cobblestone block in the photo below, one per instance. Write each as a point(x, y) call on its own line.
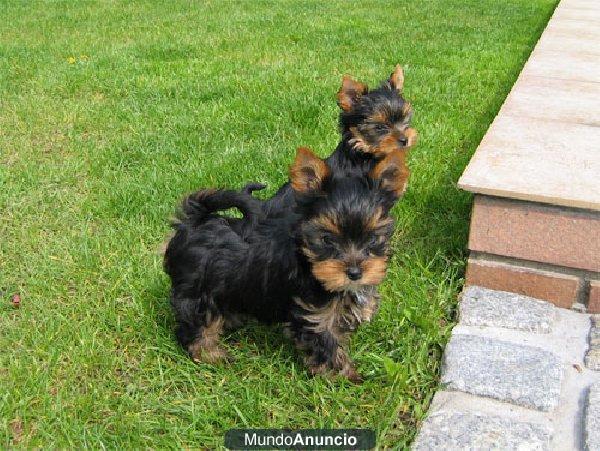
point(519, 374)
point(483, 307)
point(450, 430)
point(592, 358)
point(595, 337)
point(592, 419)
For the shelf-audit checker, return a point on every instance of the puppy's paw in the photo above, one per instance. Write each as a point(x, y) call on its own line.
point(352, 375)
point(348, 372)
point(212, 355)
point(323, 369)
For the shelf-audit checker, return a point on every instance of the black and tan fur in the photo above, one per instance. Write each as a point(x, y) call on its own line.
point(316, 268)
point(373, 124)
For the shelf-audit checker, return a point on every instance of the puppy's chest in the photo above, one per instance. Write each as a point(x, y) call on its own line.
point(343, 314)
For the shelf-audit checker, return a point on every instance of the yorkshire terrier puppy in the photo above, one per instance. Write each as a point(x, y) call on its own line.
point(315, 269)
point(373, 123)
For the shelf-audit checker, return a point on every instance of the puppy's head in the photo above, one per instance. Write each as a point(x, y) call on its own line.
point(346, 227)
point(376, 122)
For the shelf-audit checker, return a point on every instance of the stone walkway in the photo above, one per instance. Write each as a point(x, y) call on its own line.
point(517, 374)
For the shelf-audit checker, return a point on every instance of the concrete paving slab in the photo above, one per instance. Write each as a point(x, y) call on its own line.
point(551, 162)
point(592, 419)
point(522, 375)
point(570, 37)
point(555, 100)
point(580, 14)
point(539, 161)
point(566, 37)
point(453, 430)
point(483, 307)
point(593, 5)
point(567, 66)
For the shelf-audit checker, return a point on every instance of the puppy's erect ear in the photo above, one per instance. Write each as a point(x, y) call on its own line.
point(397, 78)
point(350, 92)
point(392, 173)
point(308, 172)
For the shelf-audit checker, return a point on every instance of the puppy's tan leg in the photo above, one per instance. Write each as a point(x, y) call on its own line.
point(345, 366)
point(326, 356)
point(205, 348)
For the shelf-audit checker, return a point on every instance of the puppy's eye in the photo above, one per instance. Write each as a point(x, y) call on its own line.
point(327, 240)
point(374, 246)
point(381, 127)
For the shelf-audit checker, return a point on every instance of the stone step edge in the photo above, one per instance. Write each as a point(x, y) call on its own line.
point(484, 307)
point(470, 429)
point(457, 376)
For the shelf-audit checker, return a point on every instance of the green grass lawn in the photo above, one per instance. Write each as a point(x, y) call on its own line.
point(111, 111)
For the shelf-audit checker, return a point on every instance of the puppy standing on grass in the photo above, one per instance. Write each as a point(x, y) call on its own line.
point(373, 123)
point(315, 269)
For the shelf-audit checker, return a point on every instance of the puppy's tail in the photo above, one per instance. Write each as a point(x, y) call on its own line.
point(252, 186)
point(197, 207)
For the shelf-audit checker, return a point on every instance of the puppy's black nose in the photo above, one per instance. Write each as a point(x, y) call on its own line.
point(354, 273)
